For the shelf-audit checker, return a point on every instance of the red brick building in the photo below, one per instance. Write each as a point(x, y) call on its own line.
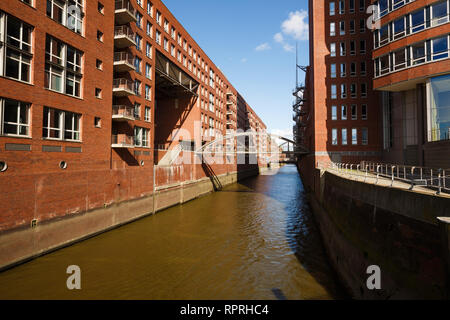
point(412, 71)
point(95, 98)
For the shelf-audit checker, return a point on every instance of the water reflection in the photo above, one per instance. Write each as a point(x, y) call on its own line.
point(253, 240)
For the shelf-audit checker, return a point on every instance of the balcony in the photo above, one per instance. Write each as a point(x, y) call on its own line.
point(123, 113)
point(123, 87)
point(122, 141)
point(124, 12)
point(123, 62)
point(123, 37)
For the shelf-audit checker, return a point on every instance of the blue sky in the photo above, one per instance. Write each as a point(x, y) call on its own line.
point(253, 43)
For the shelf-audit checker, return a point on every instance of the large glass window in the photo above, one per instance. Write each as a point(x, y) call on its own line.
point(67, 12)
point(439, 13)
point(418, 53)
point(16, 118)
point(439, 108)
point(440, 48)
point(17, 63)
point(399, 28)
point(344, 137)
point(62, 67)
point(141, 137)
point(61, 125)
point(418, 21)
point(399, 59)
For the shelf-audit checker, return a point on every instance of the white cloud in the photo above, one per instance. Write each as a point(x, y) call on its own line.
point(296, 25)
point(263, 47)
point(244, 60)
point(278, 37)
point(287, 47)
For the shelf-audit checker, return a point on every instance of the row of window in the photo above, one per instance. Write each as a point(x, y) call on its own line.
point(343, 69)
point(344, 113)
point(364, 139)
point(424, 18)
point(56, 125)
point(343, 48)
point(352, 27)
point(383, 7)
point(147, 112)
point(353, 90)
point(351, 6)
point(416, 54)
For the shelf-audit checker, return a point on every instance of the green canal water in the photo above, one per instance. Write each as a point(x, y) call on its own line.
point(252, 240)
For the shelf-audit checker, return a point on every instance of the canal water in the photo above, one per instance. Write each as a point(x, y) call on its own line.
point(252, 240)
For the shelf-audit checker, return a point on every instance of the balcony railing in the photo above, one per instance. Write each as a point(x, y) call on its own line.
point(122, 141)
point(123, 61)
point(123, 87)
point(122, 113)
point(124, 11)
point(123, 37)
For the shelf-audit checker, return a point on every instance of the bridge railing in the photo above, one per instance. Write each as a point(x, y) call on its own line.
point(432, 178)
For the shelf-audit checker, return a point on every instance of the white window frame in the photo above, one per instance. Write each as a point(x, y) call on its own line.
point(18, 123)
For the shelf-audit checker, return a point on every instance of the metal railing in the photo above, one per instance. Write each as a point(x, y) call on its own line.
point(122, 110)
point(124, 31)
point(123, 83)
point(122, 139)
point(124, 56)
point(125, 4)
point(436, 179)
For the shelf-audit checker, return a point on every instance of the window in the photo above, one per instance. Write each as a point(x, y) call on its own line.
point(166, 44)
point(211, 102)
point(148, 92)
point(353, 90)
point(383, 7)
point(342, 28)
point(352, 26)
point(362, 46)
point(333, 112)
point(138, 20)
point(364, 112)
point(99, 64)
point(333, 49)
point(137, 87)
point(173, 33)
point(333, 70)
point(28, 2)
point(148, 114)
point(343, 91)
point(69, 13)
point(150, 9)
point(363, 70)
point(158, 17)
point(399, 28)
point(62, 67)
point(351, 6)
point(354, 112)
point(139, 2)
point(438, 106)
point(342, 47)
point(353, 69)
point(418, 53)
point(138, 42)
point(99, 36)
point(137, 111)
point(341, 6)
point(354, 136)
point(149, 29)
point(332, 8)
point(148, 50)
point(344, 137)
point(158, 37)
point(439, 13)
point(440, 48)
point(16, 118)
point(384, 64)
point(343, 70)
point(137, 64)
point(384, 34)
point(166, 26)
point(362, 25)
point(141, 137)
point(17, 38)
point(101, 8)
point(97, 122)
point(418, 21)
point(364, 136)
point(98, 93)
point(352, 47)
point(148, 71)
point(362, 5)
point(61, 125)
point(363, 90)
point(333, 91)
point(343, 112)
point(332, 29)
point(334, 137)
